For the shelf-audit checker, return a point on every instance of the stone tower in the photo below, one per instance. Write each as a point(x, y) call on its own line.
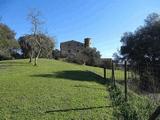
point(87, 42)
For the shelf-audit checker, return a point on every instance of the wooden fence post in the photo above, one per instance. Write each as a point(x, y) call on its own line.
point(104, 73)
point(113, 77)
point(125, 79)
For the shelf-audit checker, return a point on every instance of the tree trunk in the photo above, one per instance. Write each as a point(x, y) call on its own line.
point(35, 61)
point(155, 114)
point(30, 57)
point(36, 57)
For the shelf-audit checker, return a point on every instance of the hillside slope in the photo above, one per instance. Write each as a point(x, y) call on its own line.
point(52, 90)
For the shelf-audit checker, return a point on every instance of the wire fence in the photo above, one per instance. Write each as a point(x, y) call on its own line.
point(142, 79)
point(146, 77)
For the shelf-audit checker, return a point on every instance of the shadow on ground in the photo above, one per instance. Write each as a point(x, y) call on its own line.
point(77, 109)
point(120, 82)
point(4, 64)
point(76, 75)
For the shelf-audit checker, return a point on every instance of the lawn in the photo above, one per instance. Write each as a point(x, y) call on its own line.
point(53, 90)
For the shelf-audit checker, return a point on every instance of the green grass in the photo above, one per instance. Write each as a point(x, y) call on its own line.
point(54, 90)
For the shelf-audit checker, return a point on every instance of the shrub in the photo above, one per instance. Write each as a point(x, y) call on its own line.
point(88, 56)
point(146, 81)
point(56, 54)
point(135, 108)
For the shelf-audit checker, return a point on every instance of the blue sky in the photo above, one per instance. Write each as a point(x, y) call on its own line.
point(104, 21)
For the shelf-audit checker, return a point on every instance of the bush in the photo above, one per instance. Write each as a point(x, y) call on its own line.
point(56, 54)
point(147, 81)
point(8, 42)
point(135, 108)
point(122, 109)
point(88, 56)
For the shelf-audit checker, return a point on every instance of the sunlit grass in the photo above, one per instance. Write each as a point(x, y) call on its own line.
point(52, 90)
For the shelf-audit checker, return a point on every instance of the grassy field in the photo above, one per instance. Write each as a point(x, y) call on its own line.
point(54, 90)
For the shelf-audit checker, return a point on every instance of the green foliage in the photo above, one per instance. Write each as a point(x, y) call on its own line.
point(92, 56)
point(135, 108)
point(116, 95)
point(8, 43)
point(56, 54)
point(28, 45)
point(142, 106)
point(123, 110)
point(147, 81)
point(141, 48)
point(88, 56)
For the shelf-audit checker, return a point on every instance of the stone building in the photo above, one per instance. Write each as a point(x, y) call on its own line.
point(72, 48)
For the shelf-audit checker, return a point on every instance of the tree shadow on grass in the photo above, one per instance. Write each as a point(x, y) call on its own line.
point(120, 82)
point(5, 64)
point(76, 75)
point(76, 109)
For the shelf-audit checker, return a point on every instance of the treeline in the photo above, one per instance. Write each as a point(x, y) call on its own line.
point(38, 44)
point(87, 56)
point(8, 43)
point(29, 45)
point(141, 49)
point(34, 45)
point(25, 46)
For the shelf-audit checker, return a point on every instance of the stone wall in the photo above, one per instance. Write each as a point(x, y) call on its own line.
point(71, 48)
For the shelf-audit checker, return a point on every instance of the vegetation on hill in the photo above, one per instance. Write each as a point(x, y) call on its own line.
point(55, 90)
point(8, 43)
point(59, 90)
point(87, 56)
point(142, 51)
point(28, 46)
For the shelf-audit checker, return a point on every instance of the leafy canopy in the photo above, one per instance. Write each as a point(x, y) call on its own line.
point(143, 45)
point(8, 43)
point(28, 44)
